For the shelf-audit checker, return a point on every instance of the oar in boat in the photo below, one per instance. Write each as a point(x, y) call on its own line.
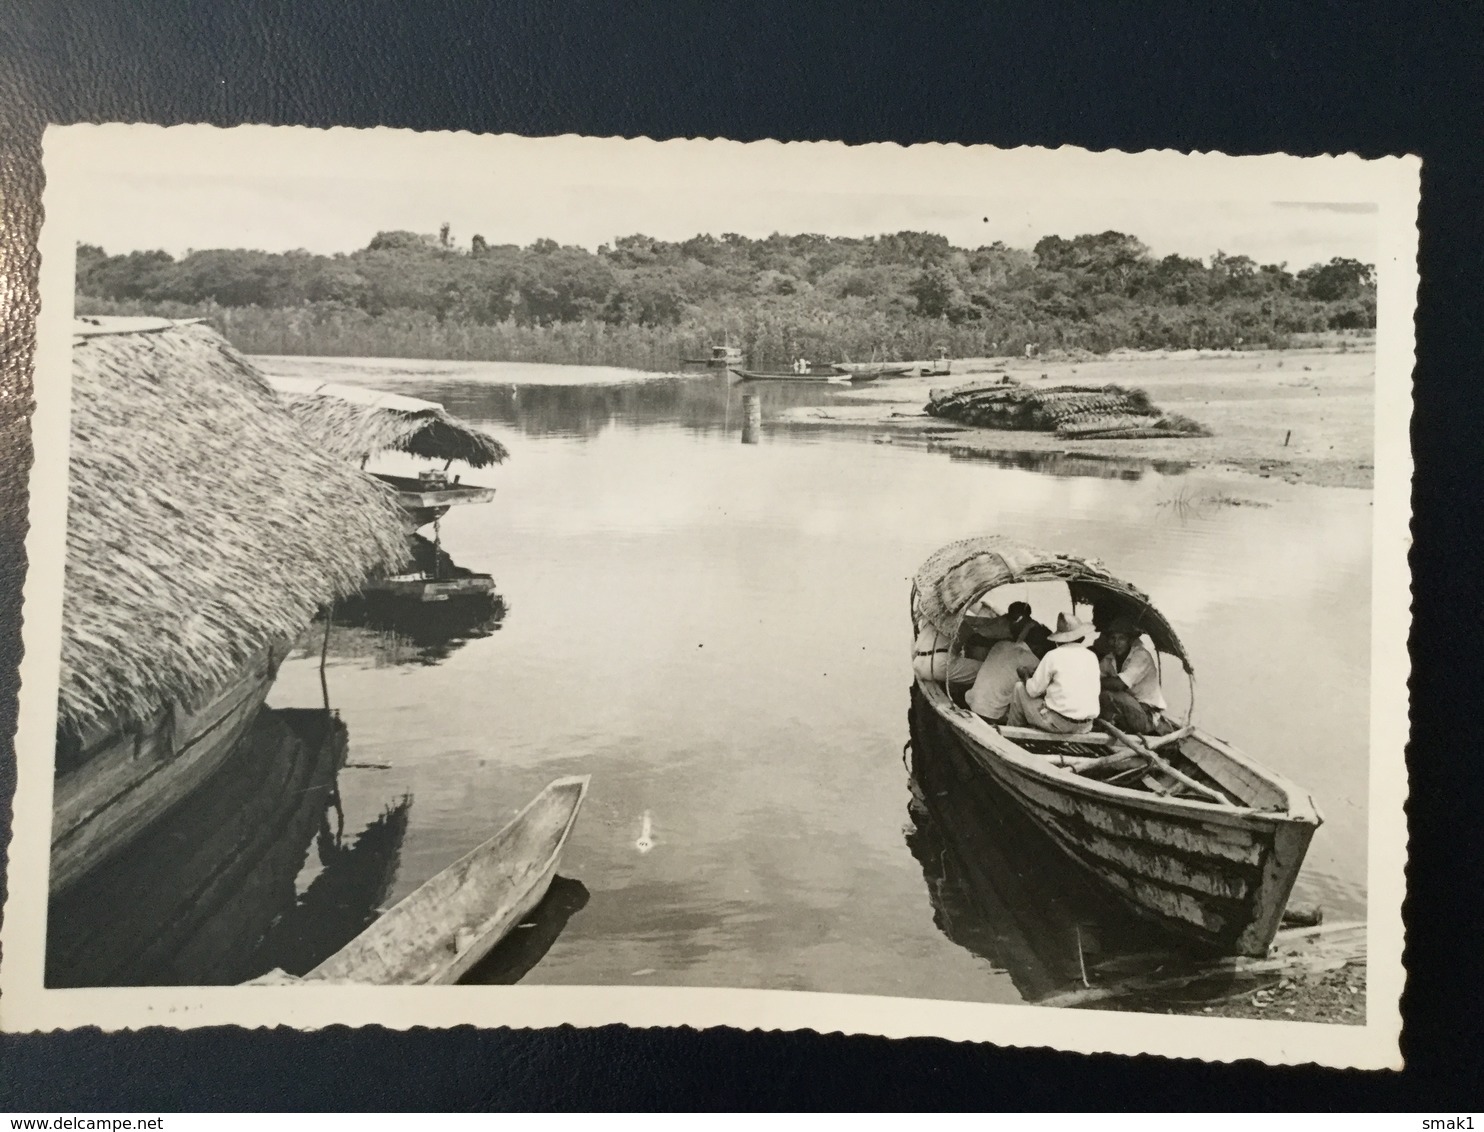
point(1184, 779)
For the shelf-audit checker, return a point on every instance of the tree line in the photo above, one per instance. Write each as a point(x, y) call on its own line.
point(650, 302)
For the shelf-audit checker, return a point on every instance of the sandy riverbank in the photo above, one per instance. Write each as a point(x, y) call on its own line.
point(1307, 416)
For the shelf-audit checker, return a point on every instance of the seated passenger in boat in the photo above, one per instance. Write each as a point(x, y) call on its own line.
point(1024, 627)
point(1061, 695)
point(933, 659)
point(994, 684)
point(1131, 698)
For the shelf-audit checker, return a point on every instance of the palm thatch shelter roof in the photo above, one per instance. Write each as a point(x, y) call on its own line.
point(202, 524)
point(956, 576)
point(356, 423)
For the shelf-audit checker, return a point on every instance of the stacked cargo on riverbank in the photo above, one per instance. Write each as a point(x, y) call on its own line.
point(205, 530)
point(1072, 411)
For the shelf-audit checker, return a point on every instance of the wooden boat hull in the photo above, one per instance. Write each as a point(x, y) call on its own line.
point(438, 933)
point(124, 780)
point(422, 588)
point(188, 902)
point(866, 371)
point(816, 377)
point(1217, 875)
point(423, 505)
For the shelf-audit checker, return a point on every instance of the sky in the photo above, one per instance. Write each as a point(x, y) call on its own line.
point(326, 193)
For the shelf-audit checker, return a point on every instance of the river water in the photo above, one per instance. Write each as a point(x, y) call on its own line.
point(717, 632)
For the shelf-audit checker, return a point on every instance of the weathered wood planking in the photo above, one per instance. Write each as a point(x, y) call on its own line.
point(189, 900)
point(1218, 874)
point(439, 932)
point(127, 779)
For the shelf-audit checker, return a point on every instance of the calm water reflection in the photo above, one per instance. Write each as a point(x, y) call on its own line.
point(718, 633)
point(193, 901)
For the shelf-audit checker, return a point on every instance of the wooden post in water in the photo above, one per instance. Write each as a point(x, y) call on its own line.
point(752, 418)
point(324, 655)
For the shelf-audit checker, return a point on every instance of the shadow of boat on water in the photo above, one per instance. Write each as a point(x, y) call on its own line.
point(345, 897)
point(392, 630)
point(1000, 888)
point(529, 941)
point(211, 895)
point(189, 901)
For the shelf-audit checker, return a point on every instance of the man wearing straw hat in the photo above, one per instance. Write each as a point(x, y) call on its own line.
point(1061, 695)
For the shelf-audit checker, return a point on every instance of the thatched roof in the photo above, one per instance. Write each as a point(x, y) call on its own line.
point(957, 575)
point(355, 423)
point(202, 523)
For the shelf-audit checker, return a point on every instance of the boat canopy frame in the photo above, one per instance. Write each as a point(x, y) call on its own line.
point(956, 577)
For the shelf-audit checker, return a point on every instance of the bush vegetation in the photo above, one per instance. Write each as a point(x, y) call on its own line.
point(650, 304)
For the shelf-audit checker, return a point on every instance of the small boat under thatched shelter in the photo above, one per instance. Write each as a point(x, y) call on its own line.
point(358, 423)
point(205, 529)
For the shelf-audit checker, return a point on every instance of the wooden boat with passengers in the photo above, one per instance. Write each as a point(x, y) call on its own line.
point(1185, 828)
point(814, 374)
point(439, 932)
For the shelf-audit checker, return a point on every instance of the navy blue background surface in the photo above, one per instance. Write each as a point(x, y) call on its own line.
point(1243, 78)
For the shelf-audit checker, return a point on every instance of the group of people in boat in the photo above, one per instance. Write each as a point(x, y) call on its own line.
point(1013, 670)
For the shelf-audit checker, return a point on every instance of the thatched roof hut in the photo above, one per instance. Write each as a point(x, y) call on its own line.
point(356, 423)
point(203, 524)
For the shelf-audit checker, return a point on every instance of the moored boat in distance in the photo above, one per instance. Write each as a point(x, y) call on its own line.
point(865, 370)
point(439, 932)
point(1183, 827)
point(815, 374)
point(722, 357)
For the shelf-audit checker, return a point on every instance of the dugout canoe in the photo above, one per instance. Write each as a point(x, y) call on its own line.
point(867, 371)
point(815, 375)
point(439, 932)
point(1193, 834)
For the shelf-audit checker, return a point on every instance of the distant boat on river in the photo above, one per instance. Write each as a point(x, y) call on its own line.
point(863, 371)
point(1187, 830)
point(722, 357)
point(814, 374)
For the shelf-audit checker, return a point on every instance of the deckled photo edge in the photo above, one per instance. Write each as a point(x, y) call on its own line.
point(26, 1006)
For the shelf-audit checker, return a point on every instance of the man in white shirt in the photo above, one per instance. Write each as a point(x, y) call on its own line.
point(1131, 697)
point(1061, 696)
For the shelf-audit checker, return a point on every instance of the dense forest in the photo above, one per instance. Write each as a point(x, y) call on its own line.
point(650, 303)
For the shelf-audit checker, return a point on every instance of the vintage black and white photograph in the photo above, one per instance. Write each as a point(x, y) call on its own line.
point(877, 588)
